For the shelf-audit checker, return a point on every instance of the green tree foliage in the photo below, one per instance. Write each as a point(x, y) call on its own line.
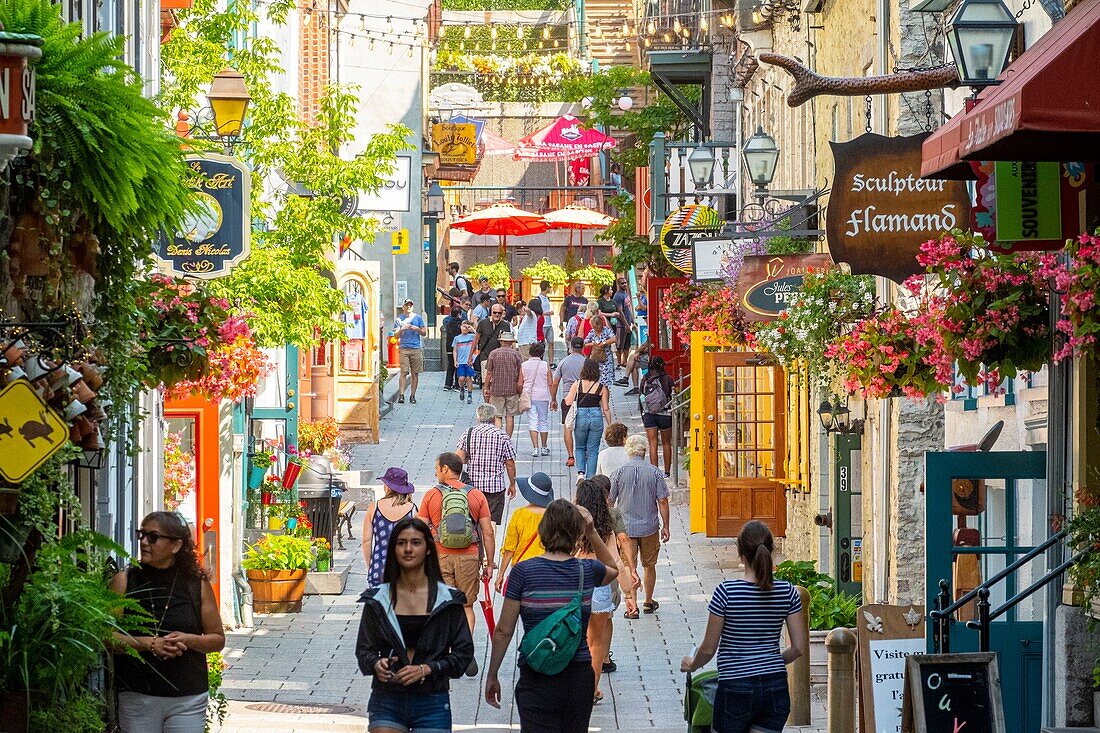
point(283, 281)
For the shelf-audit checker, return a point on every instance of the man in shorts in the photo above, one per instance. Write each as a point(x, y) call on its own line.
point(501, 386)
point(490, 458)
point(410, 327)
point(461, 568)
point(638, 488)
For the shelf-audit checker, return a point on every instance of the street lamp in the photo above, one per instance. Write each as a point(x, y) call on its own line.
point(436, 202)
point(838, 419)
point(228, 98)
point(761, 156)
point(701, 165)
point(980, 36)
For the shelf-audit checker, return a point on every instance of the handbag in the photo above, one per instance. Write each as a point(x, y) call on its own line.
point(571, 417)
point(550, 646)
point(599, 353)
point(525, 395)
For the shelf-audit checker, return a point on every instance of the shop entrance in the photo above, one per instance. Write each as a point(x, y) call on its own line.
point(745, 425)
point(983, 511)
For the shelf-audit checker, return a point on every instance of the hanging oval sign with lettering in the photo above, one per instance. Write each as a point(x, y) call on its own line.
point(216, 237)
point(766, 283)
point(880, 209)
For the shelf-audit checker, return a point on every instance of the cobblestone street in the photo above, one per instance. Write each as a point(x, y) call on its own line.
point(308, 658)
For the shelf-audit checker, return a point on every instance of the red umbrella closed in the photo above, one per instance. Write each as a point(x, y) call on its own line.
point(502, 220)
point(579, 218)
point(563, 139)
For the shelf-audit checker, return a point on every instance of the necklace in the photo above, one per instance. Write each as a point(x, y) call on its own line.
point(167, 604)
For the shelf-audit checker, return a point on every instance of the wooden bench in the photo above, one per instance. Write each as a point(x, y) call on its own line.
point(343, 520)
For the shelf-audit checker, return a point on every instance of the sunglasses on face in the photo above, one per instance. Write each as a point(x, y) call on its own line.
point(152, 537)
point(497, 313)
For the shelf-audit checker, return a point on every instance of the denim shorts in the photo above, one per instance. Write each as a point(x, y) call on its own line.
point(760, 703)
point(409, 712)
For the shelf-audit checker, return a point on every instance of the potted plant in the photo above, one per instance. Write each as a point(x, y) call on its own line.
point(830, 608)
point(497, 272)
point(323, 553)
point(259, 463)
point(593, 277)
point(276, 568)
point(318, 436)
point(533, 275)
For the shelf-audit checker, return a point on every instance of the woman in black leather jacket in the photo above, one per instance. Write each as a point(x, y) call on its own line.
point(413, 637)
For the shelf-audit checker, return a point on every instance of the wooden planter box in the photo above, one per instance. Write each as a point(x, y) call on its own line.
point(277, 591)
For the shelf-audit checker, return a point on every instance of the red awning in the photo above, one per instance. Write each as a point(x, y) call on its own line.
point(940, 153)
point(1047, 107)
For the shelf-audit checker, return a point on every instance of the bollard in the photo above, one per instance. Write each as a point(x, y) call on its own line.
point(798, 672)
point(841, 646)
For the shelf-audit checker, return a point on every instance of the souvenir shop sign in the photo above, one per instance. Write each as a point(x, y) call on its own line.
point(767, 282)
point(456, 142)
point(881, 210)
point(217, 237)
point(1030, 206)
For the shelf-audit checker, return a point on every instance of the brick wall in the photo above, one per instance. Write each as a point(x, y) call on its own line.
point(313, 55)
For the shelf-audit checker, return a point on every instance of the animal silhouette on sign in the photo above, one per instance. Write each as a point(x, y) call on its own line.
point(5, 428)
point(32, 430)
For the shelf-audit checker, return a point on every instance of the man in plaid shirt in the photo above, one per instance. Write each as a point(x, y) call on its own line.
point(490, 459)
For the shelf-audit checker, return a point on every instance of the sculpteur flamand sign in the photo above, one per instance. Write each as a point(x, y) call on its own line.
point(881, 210)
point(218, 236)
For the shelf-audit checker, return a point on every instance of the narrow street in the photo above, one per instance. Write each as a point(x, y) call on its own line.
point(308, 659)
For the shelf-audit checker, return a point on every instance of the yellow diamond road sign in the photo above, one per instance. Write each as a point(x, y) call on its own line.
point(400, 241)
point(30, 432)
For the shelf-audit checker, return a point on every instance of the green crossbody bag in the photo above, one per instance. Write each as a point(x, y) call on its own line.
point(551, 645)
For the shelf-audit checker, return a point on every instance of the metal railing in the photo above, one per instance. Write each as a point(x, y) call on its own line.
point(681, 408)
point(942, 615)
point(463, 200)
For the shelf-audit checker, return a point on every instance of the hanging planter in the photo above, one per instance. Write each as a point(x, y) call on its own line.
point(9, 501)
point(290, 477)
point(258, 466)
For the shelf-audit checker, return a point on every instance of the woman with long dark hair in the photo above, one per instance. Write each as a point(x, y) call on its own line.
point(746, 618)
point(413, 637)
point(166, 687)
point(656, 390)
point(537, 588)
point(589, 397)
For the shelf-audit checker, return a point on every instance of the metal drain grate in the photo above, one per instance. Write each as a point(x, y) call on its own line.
point(300, 708)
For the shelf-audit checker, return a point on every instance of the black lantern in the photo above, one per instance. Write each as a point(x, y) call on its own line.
point(838, 418)
point(761, 156)
point(980, 36)
point(701, 165)
point(436, 202)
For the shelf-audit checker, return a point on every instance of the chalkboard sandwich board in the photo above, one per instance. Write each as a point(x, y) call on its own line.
point(952, 693)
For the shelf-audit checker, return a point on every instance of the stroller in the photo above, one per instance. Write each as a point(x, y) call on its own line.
point(699, 700)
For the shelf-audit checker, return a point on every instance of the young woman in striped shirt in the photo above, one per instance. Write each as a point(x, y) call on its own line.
point(746, 617)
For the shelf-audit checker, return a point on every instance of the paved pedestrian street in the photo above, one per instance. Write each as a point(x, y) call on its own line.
point(308, 658)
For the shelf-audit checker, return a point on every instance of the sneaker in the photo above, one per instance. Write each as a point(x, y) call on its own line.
point(401, 400)
point(631, 391)
point(545, 451)
point(448, 388)
point(470, 399)
point(412, 400)
point(609, 665)
point(580, 477)
point(471, 671)
point(535, 453)
point(668, 475)
point(622, 382)
point(553, 365)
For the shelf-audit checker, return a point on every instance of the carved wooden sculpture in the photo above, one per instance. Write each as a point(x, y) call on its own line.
point(809, 85)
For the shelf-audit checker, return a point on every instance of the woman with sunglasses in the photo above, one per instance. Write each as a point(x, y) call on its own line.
point(165, 688)
point(413, 637)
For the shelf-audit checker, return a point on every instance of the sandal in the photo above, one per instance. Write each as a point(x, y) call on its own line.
point(597, 698)
point(632, 615)
point(650, 607)
point(570, 462)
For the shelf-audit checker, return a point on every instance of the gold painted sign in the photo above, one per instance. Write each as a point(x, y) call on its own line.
point(767, 282)
point(30, 432)
point(880, 209)
point(217, 236)
point(456, 142)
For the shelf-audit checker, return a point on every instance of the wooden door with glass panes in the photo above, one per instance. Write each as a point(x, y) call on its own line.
point(746, 441)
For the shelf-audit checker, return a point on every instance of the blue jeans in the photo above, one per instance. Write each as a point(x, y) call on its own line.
point(586, 439)
point(409, 712)
point(760, 703)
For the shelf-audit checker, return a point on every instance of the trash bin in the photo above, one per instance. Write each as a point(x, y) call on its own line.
point(321, 492)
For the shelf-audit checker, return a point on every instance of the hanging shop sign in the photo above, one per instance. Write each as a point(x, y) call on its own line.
point(456, 142)
point(881, 210)
point(643, 216)
point(767, 282)
point(395, 193)
point(683, 226)
point(1029, 206)
point(17, 81)
point(217, 237)
point(30, 432)
point(887, 636)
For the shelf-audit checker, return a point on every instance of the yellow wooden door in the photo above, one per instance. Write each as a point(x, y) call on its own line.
point(746, 442)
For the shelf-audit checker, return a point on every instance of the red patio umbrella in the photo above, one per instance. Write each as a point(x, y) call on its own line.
point(563, 139)
point(502, 220)
point(578, 218)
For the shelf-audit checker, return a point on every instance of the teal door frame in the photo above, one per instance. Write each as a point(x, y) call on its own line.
point(287, 411)
point(847, 494)
point(1018, 643)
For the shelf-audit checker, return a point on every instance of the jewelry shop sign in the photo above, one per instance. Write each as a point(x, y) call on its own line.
point(767, 283)
point(880, 209)
point(216, 237)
